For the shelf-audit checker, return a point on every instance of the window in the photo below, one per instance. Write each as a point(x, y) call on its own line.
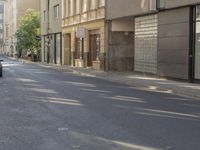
point(160, 4)
point(7, 30)
point(101, 3)
point(78, 6)
point(56, 11)
point(67, 8)
point(71, 7)
point(93, 4)
point(85, 6)
point(44, 16)
point(63, 8)
point(1, 26)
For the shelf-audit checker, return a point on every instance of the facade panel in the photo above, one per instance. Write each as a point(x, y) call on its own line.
point(129, 7)
point(173, 43)
point(179, 3)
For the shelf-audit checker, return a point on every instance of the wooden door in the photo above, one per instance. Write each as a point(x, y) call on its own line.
point(92, 56)
point(67, 50)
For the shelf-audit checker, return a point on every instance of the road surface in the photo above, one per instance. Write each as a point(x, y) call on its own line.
point(46, 109)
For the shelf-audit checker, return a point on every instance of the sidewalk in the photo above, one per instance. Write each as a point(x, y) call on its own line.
point(139, 81)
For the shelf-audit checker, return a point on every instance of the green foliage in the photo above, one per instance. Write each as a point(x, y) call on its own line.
point(29, 28)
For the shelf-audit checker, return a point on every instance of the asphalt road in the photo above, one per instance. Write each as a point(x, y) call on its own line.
point(45, 109)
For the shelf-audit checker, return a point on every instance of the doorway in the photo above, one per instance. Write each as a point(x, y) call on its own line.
point(94, 49)
point(67, 49)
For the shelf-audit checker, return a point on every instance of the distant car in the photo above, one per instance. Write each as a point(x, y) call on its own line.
point(1, 68)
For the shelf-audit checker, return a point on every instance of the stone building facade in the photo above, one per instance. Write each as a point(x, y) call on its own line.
point(83, 27)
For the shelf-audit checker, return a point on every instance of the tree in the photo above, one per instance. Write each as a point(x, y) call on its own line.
point(29, 28)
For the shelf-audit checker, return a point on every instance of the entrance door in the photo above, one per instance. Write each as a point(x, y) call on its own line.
point(94, 48)
point(67, 49)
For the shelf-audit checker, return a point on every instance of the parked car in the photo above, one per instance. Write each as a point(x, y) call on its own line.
point(1, 68)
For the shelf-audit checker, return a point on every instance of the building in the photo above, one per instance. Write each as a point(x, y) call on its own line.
point(83, 27)
point(14, 10)
point(178, 38)
point(51, 32)
point(1, 26)
point(154, 36)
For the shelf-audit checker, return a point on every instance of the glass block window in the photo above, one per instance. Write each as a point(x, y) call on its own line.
point(146, 33)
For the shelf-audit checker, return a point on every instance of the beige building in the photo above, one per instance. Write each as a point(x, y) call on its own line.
point(83, 27)
point(14, 10)
point(51, 11)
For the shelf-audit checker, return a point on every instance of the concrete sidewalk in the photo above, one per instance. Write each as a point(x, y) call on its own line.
point(139, 81)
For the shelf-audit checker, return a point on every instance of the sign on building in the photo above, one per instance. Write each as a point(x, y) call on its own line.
point(80, 32)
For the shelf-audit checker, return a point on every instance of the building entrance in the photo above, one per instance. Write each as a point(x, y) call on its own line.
point(94, 49)
point(67, 49)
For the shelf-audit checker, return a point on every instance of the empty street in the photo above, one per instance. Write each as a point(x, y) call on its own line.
point(46, 109)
